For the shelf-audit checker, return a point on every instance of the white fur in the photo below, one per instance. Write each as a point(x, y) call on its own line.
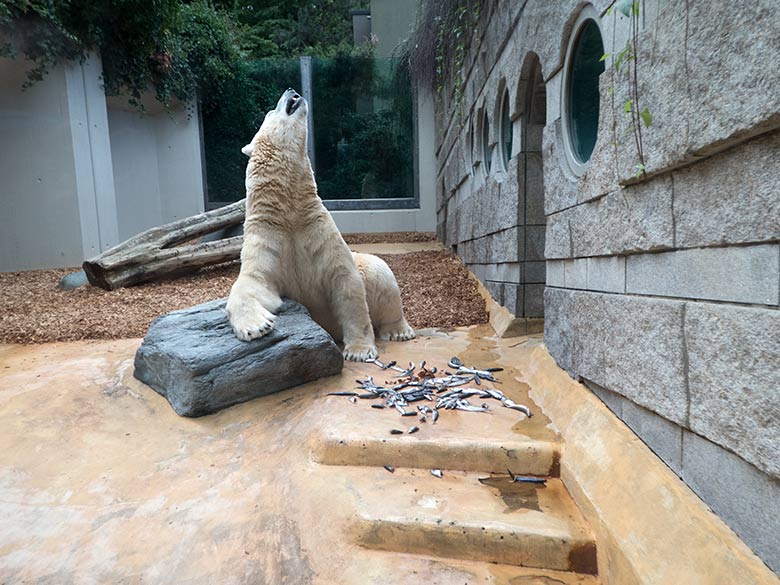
point(293, 249)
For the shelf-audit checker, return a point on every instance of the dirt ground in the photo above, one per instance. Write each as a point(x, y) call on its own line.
point(436, 288)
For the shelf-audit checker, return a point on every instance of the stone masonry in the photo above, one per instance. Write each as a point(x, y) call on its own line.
point(660, 292)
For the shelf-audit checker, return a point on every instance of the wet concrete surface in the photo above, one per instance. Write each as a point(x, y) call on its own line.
point(100, 481)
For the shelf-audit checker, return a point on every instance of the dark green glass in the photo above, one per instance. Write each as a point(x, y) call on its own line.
point(232, 122)
point(506, 127)
point(363, 128)
point(486, 143)
point(583, 83)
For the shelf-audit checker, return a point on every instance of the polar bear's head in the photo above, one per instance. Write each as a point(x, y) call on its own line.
point(285, 126)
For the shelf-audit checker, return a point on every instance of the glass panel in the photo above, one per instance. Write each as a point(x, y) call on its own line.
point(363, 132)
point(363, 129)
point(506, 127)
point(235, 120)
point(488, 155)
point(585, 68)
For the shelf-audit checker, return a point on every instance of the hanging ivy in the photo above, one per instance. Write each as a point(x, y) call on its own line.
point(440, 42)
point(178, 50)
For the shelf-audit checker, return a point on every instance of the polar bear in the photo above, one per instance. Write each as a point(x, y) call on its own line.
point(292, 248)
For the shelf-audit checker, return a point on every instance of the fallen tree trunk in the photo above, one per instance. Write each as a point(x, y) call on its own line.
point(154, 254)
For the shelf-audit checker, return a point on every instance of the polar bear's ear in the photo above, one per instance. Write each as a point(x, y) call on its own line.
point(247, 150)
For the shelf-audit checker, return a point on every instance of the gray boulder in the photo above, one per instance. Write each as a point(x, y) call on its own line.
point(193, 358)
point(73, 280)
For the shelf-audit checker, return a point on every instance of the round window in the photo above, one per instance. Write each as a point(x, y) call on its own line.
point(486, 152)
point(506, 127)
point(582, 91)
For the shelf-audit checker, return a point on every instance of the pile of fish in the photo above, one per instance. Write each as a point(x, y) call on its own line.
point(444, 390)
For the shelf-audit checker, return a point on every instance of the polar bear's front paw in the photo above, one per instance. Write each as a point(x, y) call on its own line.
point(399, 331)
point(359, 352)
point(248, 327)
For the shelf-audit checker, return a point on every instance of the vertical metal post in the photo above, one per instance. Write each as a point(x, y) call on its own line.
point(307, 93)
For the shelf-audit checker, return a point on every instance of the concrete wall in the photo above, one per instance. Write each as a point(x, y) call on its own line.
point(56, 182)
point(136, 176)
point(157, 165)
point(80, 173)
point(662, 292)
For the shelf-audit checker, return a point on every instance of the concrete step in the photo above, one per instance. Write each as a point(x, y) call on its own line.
point(407, 569)
point(356, 434)
point(411, 511)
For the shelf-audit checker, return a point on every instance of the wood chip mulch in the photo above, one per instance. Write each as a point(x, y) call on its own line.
point(389, 238)
point(436, 288)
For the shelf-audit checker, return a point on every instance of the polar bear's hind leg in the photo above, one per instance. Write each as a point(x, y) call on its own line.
point(250, 307)
point(384, 299)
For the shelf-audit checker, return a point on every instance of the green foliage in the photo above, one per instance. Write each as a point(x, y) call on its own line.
point(177, 48)
point(270, 28)
point(440, 42)
point(625, 62)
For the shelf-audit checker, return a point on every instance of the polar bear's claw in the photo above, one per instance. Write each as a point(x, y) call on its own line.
point(246, 332)
point(397, 332)
point(403, 335)
point(355, 352)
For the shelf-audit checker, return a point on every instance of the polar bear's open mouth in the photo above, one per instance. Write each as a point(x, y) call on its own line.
point(293, 103)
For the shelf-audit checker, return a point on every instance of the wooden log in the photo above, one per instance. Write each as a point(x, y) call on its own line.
point(154, 254)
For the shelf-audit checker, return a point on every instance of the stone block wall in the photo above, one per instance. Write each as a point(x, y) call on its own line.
point(660, 292)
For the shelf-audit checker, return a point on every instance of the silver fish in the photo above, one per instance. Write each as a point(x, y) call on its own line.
point(514, 406)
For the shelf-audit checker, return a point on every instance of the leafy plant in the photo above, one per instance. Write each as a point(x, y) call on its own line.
point(274, 28)
point(176, 48)
point(440, 42)
point(625, 62)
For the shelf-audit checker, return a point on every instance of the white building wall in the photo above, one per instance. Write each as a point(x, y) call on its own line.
point(158, 173)
point(40, 224)
point(134, 154)
point(79, 173)
point(180, 164)
point(92, 156)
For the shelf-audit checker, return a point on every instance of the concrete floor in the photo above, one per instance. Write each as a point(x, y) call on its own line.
point(101, 482)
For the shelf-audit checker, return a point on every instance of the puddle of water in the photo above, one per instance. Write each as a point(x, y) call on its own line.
point(516, 495)
point(503, 577)
point(535, 580)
